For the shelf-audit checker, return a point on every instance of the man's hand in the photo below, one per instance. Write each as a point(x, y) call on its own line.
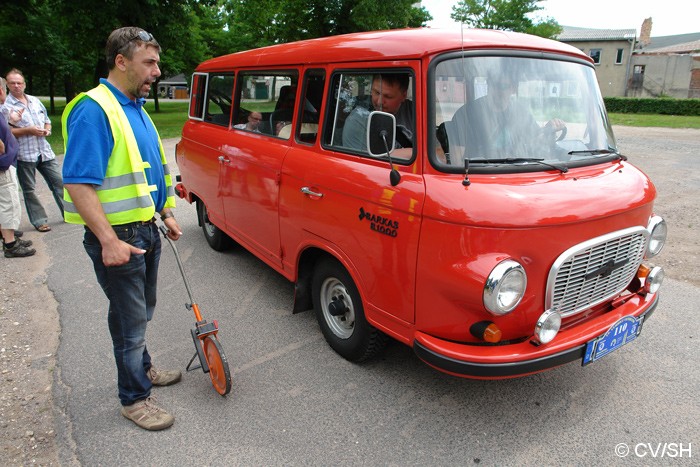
point(555, 125)
point(15, 116)
point(115, 252)
point(36, 131)
point(118, 252)
point(174, 231)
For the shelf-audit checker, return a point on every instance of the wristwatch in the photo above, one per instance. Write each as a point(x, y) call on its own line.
point(167, 215)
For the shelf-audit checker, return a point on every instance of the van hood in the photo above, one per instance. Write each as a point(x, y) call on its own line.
point(525, 200)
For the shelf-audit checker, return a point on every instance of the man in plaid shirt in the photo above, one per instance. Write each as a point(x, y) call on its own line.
point(31, 125)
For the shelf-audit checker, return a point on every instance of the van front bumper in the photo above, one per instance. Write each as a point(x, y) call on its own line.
point(524, 358)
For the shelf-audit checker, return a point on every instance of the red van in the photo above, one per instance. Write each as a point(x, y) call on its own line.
point(460, 192)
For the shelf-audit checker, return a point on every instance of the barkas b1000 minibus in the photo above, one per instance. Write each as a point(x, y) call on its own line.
point(460, 192)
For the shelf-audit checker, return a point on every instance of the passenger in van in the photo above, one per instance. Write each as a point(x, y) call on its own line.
point(254, 119)
point(497, 126)
point(389, 93)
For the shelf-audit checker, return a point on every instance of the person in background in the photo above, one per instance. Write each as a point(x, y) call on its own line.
point(10, 208)
point(116, 180)
point(389, 94)
point(497, 125)
point(3, 96)
point(31, 125)
point(3, 91)
point(254, 119)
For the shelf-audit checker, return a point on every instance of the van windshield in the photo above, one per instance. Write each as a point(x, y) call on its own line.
point(507, 114)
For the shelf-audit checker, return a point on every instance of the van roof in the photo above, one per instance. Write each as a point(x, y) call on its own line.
point(384, 45)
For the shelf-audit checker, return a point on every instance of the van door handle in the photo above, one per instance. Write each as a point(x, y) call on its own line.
point(307, 191)
point(224, 160)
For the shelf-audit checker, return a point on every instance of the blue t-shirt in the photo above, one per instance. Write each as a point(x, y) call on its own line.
point(91, 142)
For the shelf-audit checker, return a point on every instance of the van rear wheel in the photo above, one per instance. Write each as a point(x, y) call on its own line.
point(216, 238)
point(340, 313)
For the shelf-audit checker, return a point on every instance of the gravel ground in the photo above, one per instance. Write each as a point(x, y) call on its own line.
point(29, 327)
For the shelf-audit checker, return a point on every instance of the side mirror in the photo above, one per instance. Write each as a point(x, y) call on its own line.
point(381, 133)
point(381, 138)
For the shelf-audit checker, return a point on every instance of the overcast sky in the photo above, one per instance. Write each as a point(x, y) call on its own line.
point(669, 17)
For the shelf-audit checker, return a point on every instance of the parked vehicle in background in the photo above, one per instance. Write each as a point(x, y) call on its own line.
point(489, 223)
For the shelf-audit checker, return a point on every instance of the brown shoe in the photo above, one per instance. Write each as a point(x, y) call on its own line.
point(148, 414)
point(163, 377)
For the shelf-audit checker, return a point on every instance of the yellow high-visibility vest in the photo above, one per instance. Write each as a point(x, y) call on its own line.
point(125, 193)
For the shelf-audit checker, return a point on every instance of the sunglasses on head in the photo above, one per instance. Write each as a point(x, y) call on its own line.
point(144, 36)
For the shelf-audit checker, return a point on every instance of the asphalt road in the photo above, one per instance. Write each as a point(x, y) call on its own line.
point(295, 402)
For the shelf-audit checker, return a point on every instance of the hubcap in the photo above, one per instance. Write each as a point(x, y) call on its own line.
point(337, 308)
point(210, 228)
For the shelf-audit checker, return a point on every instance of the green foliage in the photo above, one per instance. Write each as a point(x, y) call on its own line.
point(509, 15)
point(59, 44)
point(664, 106)
point(655, 120)
point(267, 22)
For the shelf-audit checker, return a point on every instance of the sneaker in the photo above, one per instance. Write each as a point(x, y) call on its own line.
point(148, 414)
point(18, 233)
point(18, 250)
point(163, 377)
point(24, 243)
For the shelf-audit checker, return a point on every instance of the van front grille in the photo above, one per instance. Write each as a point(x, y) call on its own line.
point(595, 271)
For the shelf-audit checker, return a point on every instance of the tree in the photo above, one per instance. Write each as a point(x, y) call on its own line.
point(267, 22)
point(509, 15)
point(60, 43)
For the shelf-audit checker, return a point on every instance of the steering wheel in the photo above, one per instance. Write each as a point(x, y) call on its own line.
point(562, 135)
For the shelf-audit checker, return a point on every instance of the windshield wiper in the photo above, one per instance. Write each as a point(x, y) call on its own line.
point(596, 152)
point(518, 160)
point(593, 152)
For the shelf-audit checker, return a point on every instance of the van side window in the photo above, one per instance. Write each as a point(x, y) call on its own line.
point(355, 95)
point(199, 87)
point(314, 82)
point(269, 96)
point(219, 93)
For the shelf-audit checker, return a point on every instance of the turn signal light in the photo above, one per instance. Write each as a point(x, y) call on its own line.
point(486, 331)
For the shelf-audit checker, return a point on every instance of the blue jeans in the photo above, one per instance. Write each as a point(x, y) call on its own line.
point(131, 291)
point(26, 174)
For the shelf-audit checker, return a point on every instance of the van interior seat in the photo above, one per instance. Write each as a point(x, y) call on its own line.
point(306, 132)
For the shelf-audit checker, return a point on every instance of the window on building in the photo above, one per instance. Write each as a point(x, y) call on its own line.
point(620, 55)
point(637, 77)
point(595, 55)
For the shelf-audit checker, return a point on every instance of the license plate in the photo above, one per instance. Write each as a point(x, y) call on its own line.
point(622, 332)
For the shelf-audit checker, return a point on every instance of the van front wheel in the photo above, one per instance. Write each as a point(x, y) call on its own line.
point(340, 314)
point(216, 238)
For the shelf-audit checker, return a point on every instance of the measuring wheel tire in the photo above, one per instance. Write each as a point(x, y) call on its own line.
point(341, 316)
point(216, 238)
point(218, 365)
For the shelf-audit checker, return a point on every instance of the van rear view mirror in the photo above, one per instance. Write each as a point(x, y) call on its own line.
point(381, 133)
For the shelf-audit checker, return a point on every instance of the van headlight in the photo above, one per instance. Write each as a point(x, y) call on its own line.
point(547, 326)
point(653, 280)
point(505, 287)
point(657, 236)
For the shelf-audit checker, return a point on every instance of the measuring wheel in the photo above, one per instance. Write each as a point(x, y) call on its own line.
point(218, 365)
